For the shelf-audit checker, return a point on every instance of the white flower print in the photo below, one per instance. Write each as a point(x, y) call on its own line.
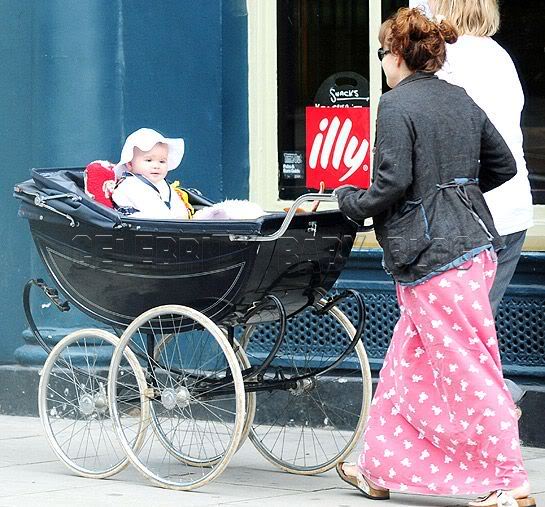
point(501, 458)
point(448, 310)
point(462, 351)
point(406, 462)
point(410, 332)
point(474, 285)
point(432, 298)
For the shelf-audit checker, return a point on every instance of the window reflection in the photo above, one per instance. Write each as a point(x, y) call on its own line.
point(316, 38)
point(522, 34)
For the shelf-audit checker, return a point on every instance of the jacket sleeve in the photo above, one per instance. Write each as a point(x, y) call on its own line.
point(497, 162)
point(392, 167)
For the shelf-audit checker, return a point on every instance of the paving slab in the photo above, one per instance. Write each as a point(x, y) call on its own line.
point(32, 475)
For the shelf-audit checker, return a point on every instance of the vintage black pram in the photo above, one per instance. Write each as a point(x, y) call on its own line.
point(221, 330)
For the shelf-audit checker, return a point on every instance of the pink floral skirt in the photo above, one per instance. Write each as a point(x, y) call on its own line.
point(442, 421)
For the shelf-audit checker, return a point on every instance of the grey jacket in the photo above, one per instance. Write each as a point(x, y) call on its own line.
point(436, 152)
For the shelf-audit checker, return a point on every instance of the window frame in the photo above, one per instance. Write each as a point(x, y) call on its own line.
point(263, 113)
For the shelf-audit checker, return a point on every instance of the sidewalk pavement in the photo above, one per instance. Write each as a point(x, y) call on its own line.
point(31, 475)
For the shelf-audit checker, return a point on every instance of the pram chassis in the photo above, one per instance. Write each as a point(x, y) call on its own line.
point(155, 388)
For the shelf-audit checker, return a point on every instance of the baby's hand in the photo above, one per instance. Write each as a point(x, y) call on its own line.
point(108, 187)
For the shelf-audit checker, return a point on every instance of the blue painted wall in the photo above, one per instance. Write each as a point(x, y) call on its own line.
point(80, 76)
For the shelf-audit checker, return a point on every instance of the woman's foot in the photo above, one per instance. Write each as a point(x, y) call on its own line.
point(350, 474)
point(518, 497)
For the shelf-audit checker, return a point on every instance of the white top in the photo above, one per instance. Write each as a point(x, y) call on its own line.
point(487, 73)
point(132, 192)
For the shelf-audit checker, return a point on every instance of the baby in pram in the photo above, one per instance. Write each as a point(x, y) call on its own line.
point(142, 191)
point(136, 186)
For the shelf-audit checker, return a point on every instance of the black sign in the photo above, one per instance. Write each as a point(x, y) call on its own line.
point(343, 89)
point(293, 165)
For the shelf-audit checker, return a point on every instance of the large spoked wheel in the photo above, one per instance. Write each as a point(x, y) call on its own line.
point(309, 427)
point(73, 403)
point(245, 364)
point(250, 409)
point(196, 395)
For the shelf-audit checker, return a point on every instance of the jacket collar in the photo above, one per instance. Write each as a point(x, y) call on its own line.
point(417, 76)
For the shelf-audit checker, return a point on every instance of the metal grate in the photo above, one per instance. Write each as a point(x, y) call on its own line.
point(521, 329)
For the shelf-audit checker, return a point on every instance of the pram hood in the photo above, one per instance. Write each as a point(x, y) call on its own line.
point(56, 195)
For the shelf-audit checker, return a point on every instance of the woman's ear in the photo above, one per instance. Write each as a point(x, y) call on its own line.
point(399, 60)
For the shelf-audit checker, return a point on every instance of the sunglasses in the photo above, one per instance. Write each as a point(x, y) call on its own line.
point(381, 53)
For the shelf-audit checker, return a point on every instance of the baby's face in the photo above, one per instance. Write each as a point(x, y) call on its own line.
point(151, 164)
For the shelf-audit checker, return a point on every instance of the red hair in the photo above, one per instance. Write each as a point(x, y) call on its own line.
point(416, 38)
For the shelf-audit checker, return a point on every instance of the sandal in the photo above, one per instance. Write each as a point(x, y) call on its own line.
point(361, 483)
point(502, 499)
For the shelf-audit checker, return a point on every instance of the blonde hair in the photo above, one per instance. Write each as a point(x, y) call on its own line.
point(470, 17)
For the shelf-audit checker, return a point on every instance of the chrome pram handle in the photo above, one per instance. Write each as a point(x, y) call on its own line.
point(289, 216)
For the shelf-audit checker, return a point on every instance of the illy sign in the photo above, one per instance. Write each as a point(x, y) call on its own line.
point(337, 147)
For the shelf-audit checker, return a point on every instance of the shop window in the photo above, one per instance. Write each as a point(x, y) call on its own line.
point(316, 38)
point(522, 35)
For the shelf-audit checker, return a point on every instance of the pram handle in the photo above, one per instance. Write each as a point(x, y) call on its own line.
point(287, 220)
point(289, 216)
